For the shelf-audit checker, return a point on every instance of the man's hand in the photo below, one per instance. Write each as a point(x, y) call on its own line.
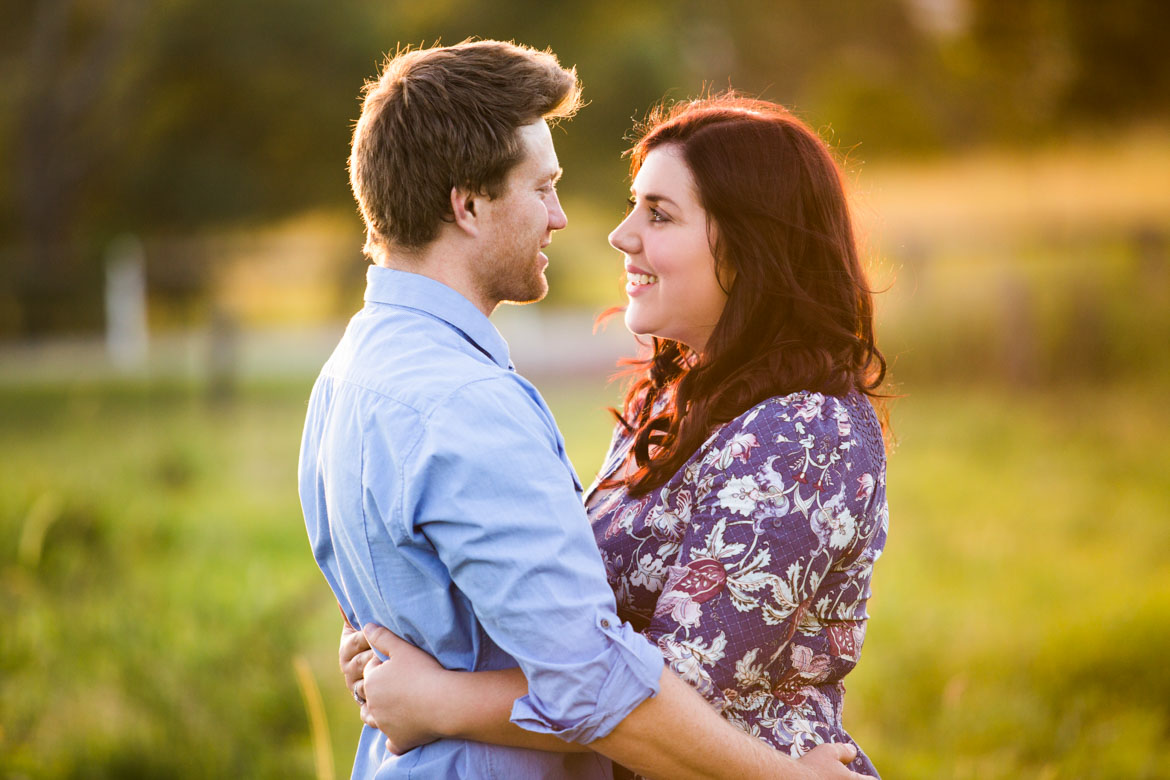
point(401, 692)
point(828, 761)
point(403, 699)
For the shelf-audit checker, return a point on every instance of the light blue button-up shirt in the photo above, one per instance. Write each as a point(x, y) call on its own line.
point(440, 503)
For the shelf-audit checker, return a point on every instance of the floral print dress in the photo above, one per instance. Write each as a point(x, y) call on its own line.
point(751, 568)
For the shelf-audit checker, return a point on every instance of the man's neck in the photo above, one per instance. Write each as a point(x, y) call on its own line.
point(446, 267)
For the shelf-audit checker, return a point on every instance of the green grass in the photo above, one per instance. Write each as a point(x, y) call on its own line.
point(1019, 625)
point(1019, 621)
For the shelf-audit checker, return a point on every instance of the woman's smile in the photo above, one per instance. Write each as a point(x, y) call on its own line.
point(637, 282)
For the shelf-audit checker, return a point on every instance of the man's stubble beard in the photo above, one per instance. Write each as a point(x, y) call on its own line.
point(507, 276)
point(524, 288)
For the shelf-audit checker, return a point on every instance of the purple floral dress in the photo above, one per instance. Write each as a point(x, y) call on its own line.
point(751, 568)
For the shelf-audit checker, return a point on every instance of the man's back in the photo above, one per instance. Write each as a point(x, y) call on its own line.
point(436, 492)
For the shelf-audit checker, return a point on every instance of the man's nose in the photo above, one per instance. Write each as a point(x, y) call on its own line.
point(557, 219)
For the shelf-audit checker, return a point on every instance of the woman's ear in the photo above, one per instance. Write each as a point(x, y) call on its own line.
point(463, 204)
point(725, 275)
point(724, 270)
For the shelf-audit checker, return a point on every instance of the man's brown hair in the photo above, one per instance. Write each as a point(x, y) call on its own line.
point(447, 117)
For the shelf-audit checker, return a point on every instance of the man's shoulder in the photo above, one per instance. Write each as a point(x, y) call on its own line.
point(413, 361)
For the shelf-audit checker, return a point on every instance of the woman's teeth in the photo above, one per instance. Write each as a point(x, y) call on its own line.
point(640, 279)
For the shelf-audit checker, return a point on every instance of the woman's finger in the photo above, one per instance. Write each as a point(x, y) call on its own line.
point(352, 643)
point(381, 639)
point(353, 668)
point(370, 666)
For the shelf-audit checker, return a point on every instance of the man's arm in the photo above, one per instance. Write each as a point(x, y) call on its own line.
point(487, 490)
point(676, 734)
point(414, 700)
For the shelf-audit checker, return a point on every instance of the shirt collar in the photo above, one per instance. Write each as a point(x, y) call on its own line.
point(414, 291)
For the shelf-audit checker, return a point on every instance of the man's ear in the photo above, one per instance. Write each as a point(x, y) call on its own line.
point(463, 205)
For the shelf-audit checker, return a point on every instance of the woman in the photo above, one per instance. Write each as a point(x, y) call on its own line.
point(742, 505)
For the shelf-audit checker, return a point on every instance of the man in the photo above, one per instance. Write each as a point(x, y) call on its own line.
point(436, 490)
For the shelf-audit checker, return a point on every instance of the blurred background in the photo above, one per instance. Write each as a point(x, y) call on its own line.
point(179, 252)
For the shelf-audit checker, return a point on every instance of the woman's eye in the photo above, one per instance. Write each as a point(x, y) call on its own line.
point(655, 214)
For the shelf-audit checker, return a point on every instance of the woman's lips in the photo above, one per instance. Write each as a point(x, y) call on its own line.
point(638, 283)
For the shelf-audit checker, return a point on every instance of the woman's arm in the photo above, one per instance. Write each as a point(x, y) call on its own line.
point(413, 700)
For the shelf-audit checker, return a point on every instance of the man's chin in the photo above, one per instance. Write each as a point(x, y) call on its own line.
point(532, 292)
point(524, 300)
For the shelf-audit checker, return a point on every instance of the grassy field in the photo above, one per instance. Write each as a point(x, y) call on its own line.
point(1020, 624)
point(158, 597)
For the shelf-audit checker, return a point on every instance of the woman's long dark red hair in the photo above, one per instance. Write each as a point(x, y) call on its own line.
point(799, 314)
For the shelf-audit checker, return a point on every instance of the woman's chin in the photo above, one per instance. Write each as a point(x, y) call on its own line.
point(636, 326)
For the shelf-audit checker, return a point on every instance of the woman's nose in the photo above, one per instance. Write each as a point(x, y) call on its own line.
point(624, 239)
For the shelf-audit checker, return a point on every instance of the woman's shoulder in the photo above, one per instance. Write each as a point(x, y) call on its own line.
point(806, 411)
point(800, 418)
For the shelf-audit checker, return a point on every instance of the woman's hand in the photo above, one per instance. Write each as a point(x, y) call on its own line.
point(402, 693)
point(353, 654)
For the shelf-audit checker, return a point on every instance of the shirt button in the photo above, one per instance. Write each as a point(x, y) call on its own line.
point(604, 623)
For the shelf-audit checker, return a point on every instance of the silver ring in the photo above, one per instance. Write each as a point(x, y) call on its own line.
point(357, 698)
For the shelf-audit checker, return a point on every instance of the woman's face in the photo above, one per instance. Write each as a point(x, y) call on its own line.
point(671, 281)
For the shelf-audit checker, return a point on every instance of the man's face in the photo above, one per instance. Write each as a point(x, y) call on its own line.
point(519, 223)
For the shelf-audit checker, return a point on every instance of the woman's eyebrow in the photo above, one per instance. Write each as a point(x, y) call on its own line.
point(655, 198)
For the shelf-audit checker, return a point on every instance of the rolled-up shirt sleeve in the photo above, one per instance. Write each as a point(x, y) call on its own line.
point(486, 485)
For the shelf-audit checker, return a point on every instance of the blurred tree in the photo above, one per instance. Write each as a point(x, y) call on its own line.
point(73, 92)
point(856, 70)
point(136, 117)
point(170, 116)
point(243, 114)
point(1121, 64)
point(1042, 65)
